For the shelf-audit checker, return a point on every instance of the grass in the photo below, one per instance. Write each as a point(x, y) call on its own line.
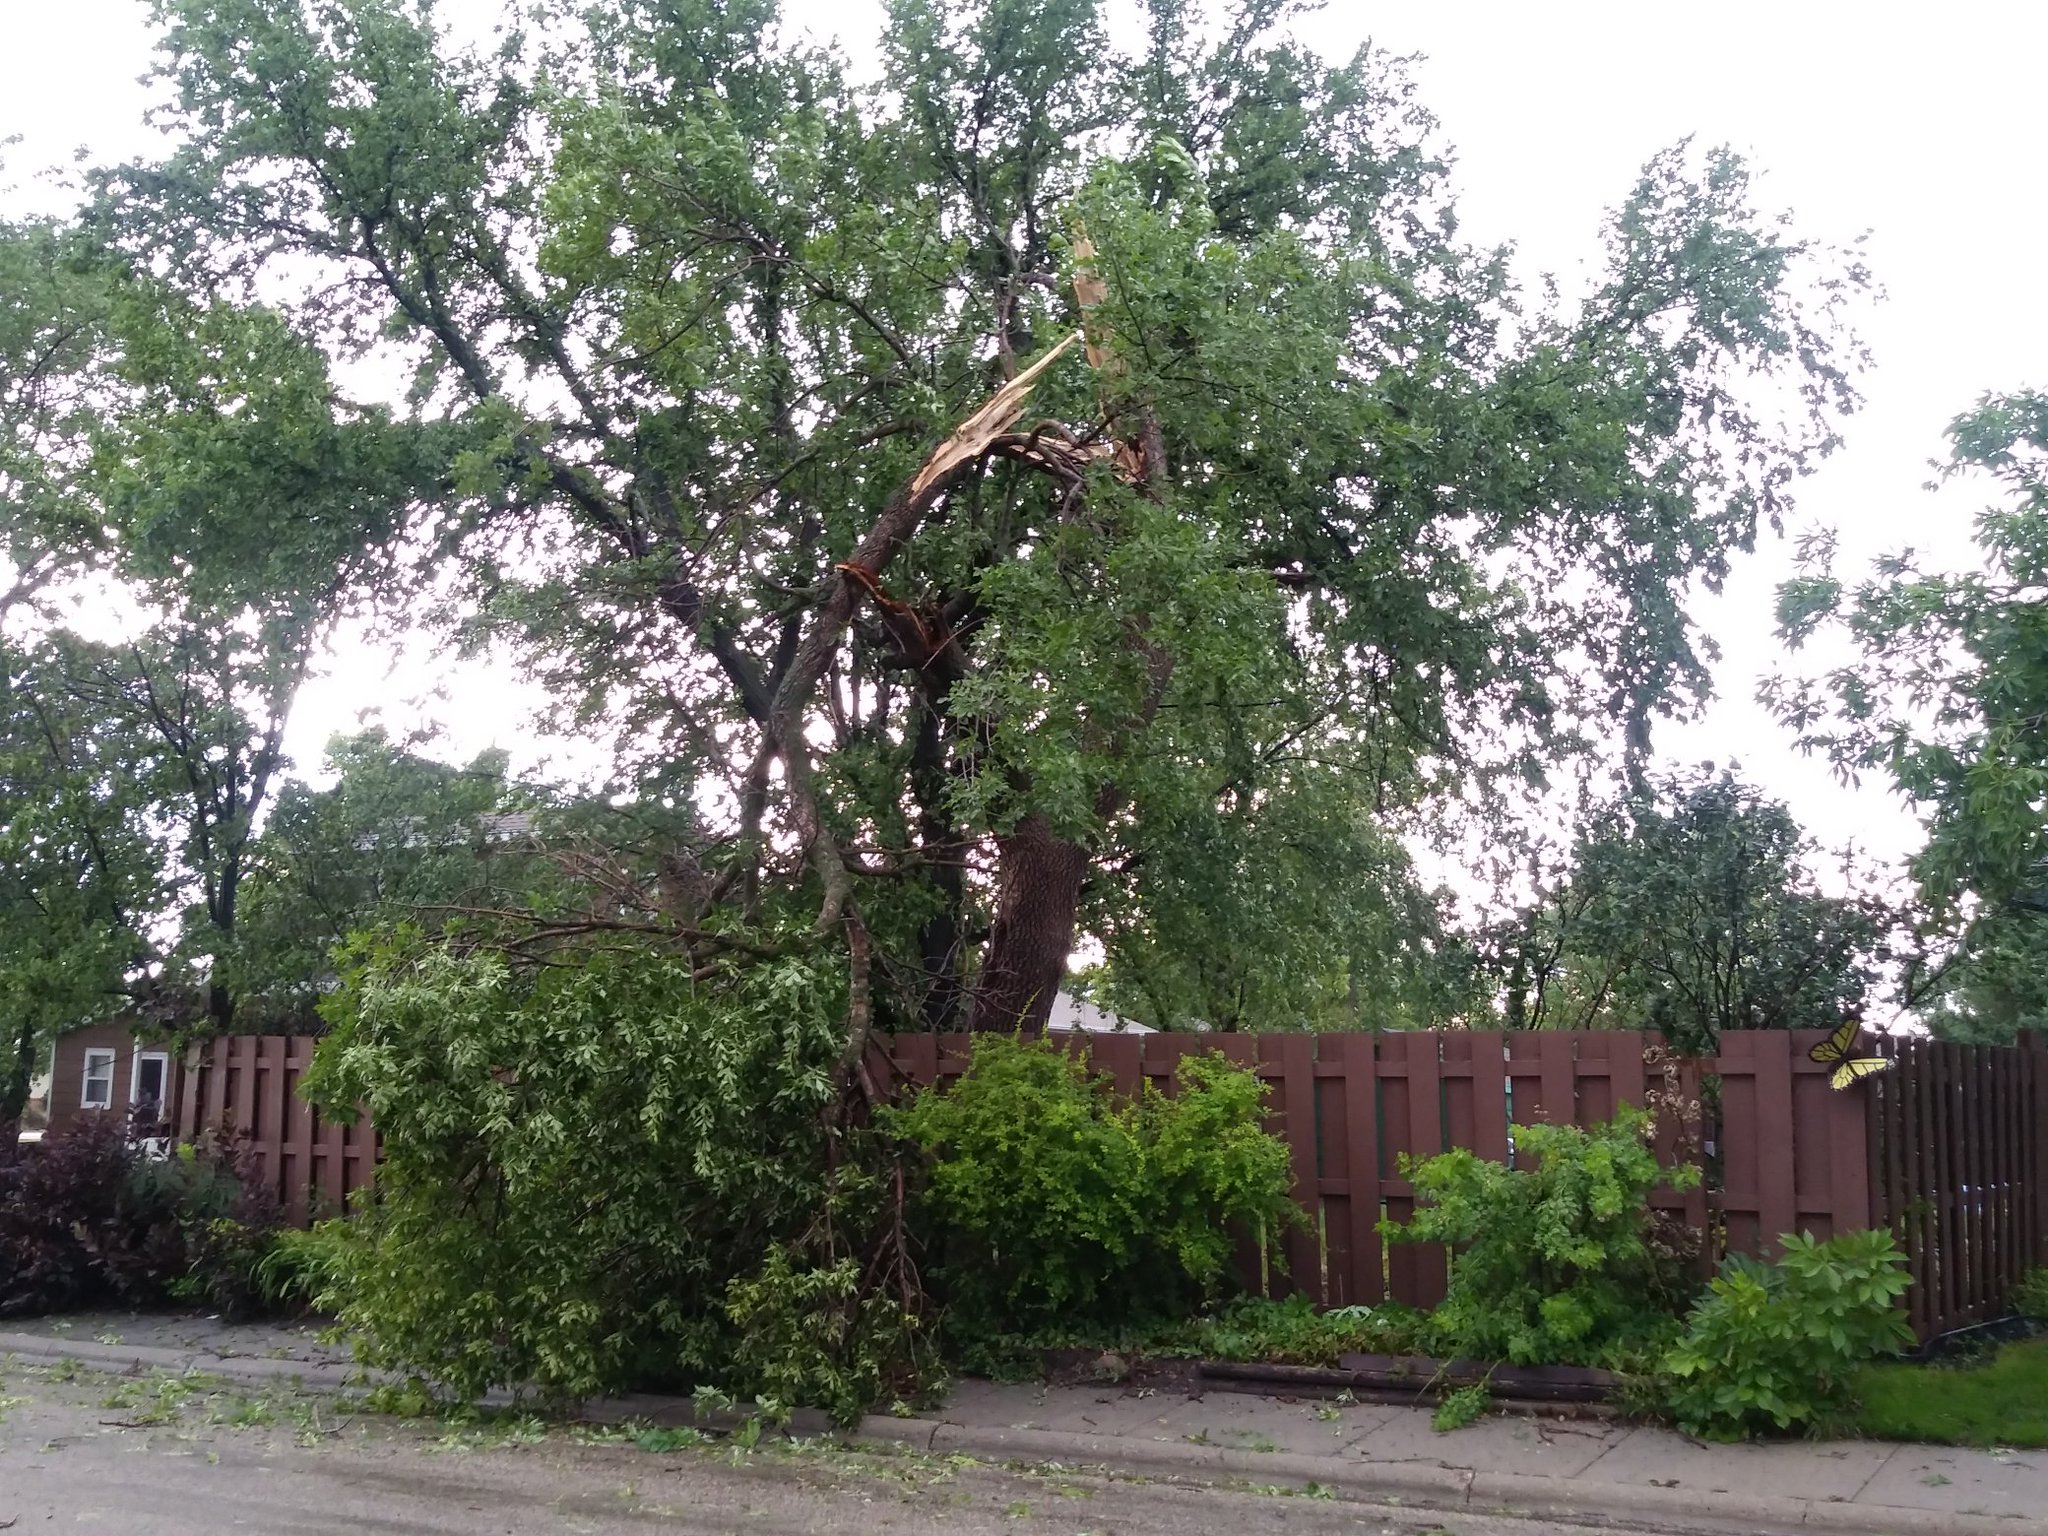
point(2000, 1401)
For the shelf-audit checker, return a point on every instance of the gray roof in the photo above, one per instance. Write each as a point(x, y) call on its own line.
point(1070, 1012)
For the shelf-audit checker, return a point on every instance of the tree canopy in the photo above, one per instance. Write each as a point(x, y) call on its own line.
point(1946, 697)
point(1049, 492)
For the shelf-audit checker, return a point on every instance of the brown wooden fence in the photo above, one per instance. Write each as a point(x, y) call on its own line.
point(1950, 1148)
point(247, 1087)
point(1785, 1152)
point(1959, 1165)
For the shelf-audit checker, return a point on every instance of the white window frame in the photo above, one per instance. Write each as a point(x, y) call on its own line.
point(103, 1058)
point(163, 1107)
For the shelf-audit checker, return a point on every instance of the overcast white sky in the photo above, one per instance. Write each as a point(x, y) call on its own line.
point(1919, 124)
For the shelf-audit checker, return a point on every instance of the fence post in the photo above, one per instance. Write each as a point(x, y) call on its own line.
point(186, 1127)
point(2036, 1133)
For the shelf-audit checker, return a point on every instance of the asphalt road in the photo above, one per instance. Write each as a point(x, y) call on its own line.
point(169, 1457)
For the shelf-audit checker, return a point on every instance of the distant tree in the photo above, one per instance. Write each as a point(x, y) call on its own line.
point(80, 862)
point(396, 837)
point(1690, 907)
point(1948, 700)
point(178, 472)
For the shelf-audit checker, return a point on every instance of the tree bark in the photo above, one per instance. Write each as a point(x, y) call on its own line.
point(14, 1086)
point(940, 939)
point(1039, 879)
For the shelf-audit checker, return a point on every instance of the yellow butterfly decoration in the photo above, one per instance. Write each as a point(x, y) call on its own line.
point(1834, 1051)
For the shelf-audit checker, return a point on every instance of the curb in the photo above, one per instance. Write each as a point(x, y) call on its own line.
point(136, 1357)
point(1407, 1485)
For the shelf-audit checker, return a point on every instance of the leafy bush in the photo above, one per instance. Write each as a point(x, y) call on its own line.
point(1053, 1200)
point(1555, 1264)
point(230, 1218)
point(1775, 1345)
point(809, 1333)
point(588, 1166)
point(2030, 1299)
point(88, 1218)
point(76, 1226)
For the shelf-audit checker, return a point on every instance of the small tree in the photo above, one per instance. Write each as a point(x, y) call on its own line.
point(1691, 907)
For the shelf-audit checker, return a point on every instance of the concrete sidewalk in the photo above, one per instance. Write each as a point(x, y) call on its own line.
point(1505, 1463)
point(1380, 1453)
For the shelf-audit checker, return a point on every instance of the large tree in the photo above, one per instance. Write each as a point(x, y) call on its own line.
point(1005, 498)
point(1947, 697)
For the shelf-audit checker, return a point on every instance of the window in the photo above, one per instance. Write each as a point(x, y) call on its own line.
point(151, 1082)
point(99, 1080)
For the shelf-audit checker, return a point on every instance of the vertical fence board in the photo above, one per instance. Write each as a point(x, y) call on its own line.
point(1489, 1095)
point(1626, 1078)
point(1364, 1275)
point(1593, 1077)
point(1777, 1167)
point(1941, 1242)
point(1430, 1272)
point(2030, 1200)
point(216, 1083)
point(1976, 1126)
point(1998, 1083)
point(1741, 1146)
point(1333, 1170)
point(1927, 1186)
point(1290, 1062)
point(2037, 1127)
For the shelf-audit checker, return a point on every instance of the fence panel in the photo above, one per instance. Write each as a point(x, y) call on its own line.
point(245, 1088)
point(1288, 1064)
point(1959, 1171)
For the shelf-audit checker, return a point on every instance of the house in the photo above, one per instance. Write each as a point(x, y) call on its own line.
point(1070, 1012)
point(110, 1069)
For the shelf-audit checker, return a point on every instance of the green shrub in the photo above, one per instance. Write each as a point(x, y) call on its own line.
point(586, 1164)
point(1773, 1346)
point(2031, 1297)
point(303, 1270)
point(1055, 1202)
point(1556, 1264)
point(229, 1217)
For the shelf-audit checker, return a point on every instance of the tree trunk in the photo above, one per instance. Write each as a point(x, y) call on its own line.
point(1039, 878)
point(14, 1085)
point(940, 939)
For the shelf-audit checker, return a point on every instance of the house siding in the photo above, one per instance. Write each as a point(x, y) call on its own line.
point(67, 1071)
